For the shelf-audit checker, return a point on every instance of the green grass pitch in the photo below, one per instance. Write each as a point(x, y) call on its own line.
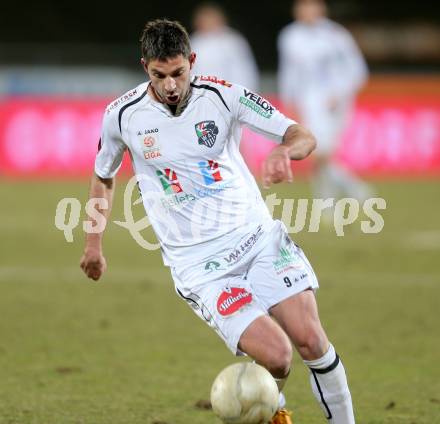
point(127, 350)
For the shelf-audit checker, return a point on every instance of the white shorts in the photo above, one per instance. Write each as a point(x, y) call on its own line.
point(236, 289)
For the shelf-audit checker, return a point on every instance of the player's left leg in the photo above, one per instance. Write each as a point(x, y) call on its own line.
point(298, 316)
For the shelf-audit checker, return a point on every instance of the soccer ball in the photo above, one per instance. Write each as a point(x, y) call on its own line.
point(244, 393)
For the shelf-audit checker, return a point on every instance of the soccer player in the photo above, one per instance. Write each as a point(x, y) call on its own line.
point(231, 262)
point(320, 71)
point(220, 49)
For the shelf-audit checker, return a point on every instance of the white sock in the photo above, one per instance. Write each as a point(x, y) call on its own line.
point(281, 383)
point(281, 401)
point(329, 385)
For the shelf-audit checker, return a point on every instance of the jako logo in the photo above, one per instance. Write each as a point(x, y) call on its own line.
point(232, 299)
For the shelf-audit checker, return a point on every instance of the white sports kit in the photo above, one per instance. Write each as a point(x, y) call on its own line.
point(229, 259)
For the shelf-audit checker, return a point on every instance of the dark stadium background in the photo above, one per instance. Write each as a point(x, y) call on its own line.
point(70, 32)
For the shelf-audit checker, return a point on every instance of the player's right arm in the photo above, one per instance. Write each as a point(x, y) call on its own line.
point(93, 262)
point(108, 161)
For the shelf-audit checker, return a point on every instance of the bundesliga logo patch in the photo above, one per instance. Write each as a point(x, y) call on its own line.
point(232, 299)
point(206, 132)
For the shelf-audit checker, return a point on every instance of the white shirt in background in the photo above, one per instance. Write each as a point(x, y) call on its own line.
point(226, 54)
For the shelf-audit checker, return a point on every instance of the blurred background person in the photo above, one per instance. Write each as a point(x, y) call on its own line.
point(221, 51)
point(321, 70)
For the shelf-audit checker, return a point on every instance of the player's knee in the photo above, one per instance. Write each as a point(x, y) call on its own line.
point(312, 345)
point(279, 360)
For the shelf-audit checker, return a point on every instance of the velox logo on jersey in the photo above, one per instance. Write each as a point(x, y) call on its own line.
point(210, 171)
point(169, 181)
point(257, 103)
point(206, 132)
point(232, 299)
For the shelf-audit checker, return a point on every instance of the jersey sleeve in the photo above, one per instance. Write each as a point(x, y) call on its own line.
point(111, 148)
point(257, 113)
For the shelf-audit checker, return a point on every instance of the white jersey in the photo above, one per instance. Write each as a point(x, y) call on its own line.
point(199, 195)
point(318, 62)
point(227, 53)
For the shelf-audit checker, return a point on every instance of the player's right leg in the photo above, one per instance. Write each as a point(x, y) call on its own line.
point(269, 346)
point(228, 305)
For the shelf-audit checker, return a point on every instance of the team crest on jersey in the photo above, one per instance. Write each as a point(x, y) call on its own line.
point(206, 132)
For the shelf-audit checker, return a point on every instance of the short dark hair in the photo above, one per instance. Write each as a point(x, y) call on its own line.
point(163, 39)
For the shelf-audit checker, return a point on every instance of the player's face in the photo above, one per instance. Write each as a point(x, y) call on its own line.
point(170, 78)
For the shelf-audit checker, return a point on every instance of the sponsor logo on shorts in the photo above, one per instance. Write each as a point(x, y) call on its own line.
point(212, 266)
point(232, 299)
point(244, 248)
point(287, 260)
point(257, 103)
point(301, 277)
point(207, 133)
point(215, 80)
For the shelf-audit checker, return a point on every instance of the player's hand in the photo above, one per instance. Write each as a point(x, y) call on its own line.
point(276, 167)
point(93, 263)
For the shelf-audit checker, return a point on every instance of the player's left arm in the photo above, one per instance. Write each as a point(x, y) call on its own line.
point(298, 142)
